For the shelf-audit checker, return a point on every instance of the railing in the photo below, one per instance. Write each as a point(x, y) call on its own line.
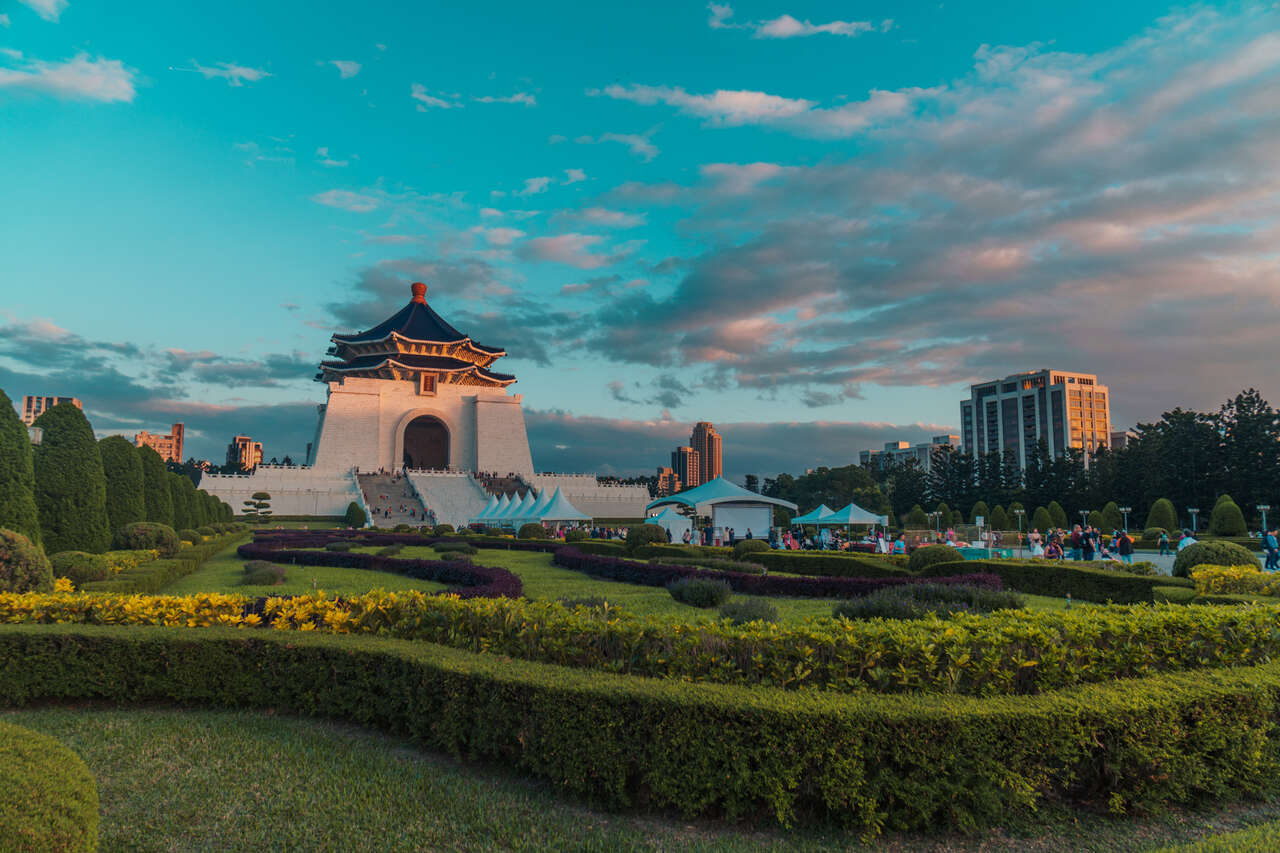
point(368, 513)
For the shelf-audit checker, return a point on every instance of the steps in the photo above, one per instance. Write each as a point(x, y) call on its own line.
point(392, 501)
point(454, 497)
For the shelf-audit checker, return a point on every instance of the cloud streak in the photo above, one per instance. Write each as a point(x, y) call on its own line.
point(79, 78)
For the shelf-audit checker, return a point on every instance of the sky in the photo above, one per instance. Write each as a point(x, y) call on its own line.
point(814, 224)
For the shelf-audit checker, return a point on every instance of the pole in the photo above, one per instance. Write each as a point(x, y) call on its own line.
point(1126, 510)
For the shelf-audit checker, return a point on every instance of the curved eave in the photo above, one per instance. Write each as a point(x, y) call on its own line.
point(465, 340)
point(503, 379)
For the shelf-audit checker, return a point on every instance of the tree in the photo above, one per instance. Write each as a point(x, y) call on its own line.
point(1162, 515)
point(17, 475)
point(258, 507)
point(1227, 520)
point(1057, 514)
point(980, 511)
point(156, 497)
point(355, 516)
point(1041, 520)
point(906, 484)
point(126, 501)
point(1112, 518)
point(1250, 433)
point(944, 516)
point(751, 483)
point(70, 487)
point(1095, 518)
point(181, 510)
point(1000, 519)
point(917, 518)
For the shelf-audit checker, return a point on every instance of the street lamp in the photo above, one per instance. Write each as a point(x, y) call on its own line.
point(1195, 511)
point(936, 516)
point(1084, 518)
point(1126, 510)
point(1262, 508)
point(1019, 513)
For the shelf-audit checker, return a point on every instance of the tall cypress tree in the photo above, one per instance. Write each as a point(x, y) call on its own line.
point(181, 507)
point(17, 476)
point(126, 502)
point(158, 502)
point(71, 490)
point(195, 510)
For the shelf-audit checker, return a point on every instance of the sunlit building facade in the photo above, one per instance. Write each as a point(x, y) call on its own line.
point(1063, 409)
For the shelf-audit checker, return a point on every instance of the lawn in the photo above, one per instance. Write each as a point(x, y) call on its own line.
point(222, 573)
point(193, 780)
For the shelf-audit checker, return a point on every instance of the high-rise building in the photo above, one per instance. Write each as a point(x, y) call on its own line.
point(1065, 410)
point(897, 452)
point(668, 482)
point(245, 452)
point(34, 407)
point(687, 464)
point(708, 443)
point(168, 446)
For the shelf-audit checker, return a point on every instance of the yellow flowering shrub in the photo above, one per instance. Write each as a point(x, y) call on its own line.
point(63, 585)
point(1234, 579)
point(119, 561)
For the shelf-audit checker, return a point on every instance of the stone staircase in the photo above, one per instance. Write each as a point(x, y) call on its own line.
point(454, 497)
point(391, 500)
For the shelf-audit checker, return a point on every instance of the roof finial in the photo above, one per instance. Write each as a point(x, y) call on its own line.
point(419, 292)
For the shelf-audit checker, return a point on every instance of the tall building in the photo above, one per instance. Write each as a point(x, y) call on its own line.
point(168, 446)
point(896, 452)
point(245, 452)
point(34, 407)
point(668, 482)
point(687, 464)
point(707, 442)
point(1065, 410)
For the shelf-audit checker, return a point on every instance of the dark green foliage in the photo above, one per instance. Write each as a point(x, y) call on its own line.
point(189, 535)
point(17, 475)
point(454, 548)
point(1112, 518)
point(921, 558)
point(917, 518)
point(607, 549)
point(577, 534)
point(178, 500)
point(1000, 519)
point(1227, 520)
point(700, 593)
point(391, 550)
point(980, 511)
point(155, 575)
point(593, 602)
point(713, 563)
point(1057, 514)
point(945, 516)
point(1095, 518)
point(443, 529)
point(341, 547)
point(80, 567)
point(1163, 515)
point(23, 565)
point(158, 501)
point(1041, 520)
point(262, 573)
point(1212, 553)
point(355, 516)
point(749, 610)
point(834, 565)
point(1151, 536)
point(205, 530)
point(749, 546)
point(49, 800)
point(71, 490)
point(146, 535)
point(1060, 579)
point(532, 530)
point(915, 601)
point(645, 534)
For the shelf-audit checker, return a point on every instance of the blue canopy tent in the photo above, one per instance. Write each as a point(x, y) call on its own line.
point(728, 505)
point(814, 516)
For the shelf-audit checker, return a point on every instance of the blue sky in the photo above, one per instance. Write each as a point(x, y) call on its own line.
point(811, 223)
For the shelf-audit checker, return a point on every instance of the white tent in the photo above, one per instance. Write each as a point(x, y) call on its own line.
point(488, 509)
point(671, 521)
point(543, 501)
point(504, 503)
point(559, 509)
point(519, 509)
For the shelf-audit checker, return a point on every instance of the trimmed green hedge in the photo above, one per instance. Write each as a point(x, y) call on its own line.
point(155, 575)
point(48, 800)
point(875, 762)
point(836, 565)
point(1062, 578)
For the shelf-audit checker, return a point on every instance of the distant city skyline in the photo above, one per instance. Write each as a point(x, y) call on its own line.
point(816, 236)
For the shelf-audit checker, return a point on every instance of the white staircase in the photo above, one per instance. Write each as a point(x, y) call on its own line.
point(391, 501)
point(453, 496)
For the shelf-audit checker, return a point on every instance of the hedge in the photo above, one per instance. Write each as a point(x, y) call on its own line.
point(1061, 578)
point(70, 487)
point(872, 762)
point(155, 575)
point(650, 574)
point(17, 476)
point(49, 800)
point(833, 565)
point(126, 495)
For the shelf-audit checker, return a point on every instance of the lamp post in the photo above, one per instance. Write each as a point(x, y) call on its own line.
point(936, 516)
point(1262, 508)
point(1019, 513)
point(1195, 511)
point(1084, 518)
point(1126, 510)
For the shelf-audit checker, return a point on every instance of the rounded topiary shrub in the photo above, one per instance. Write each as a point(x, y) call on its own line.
point(80, 566)
point(454, 548)
point(576, 535)
point(206, 530)
point(49, 800)
point(444, 529)
point(1214, 554)
point(23, 566)
point(340, 547)
point(749, 610)
point(1153, 534)
point(186, 534)
point(645, 534)
point(749, 546)
point(1227, 519)
point(147, 536)
point(700, 593)
point(922, 558)
point(402, 528)
point(355, 516)
point(262, 573)
point(532, 530)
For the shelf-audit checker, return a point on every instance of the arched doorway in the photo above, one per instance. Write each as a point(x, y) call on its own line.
point(426, 443)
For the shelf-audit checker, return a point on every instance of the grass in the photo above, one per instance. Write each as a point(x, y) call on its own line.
point(222, 573)
point(184, 780)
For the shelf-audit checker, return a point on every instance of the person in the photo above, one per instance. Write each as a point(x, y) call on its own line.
point(748, 532)
point(1086, 544)
point(1271, 544)
point(668, 535)
point(685, 537)
point(899, 545)
point(1186, 541)
point(1164, 543)
point(1124, 546)
point(1077, 541)
point(1053, 551)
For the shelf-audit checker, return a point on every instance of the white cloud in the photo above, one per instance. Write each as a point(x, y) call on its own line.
point(50, 10)
point(739, 178)
point(533, 186)
point(106, 80)
point(498, 236)
point(720, 14)
point(323, 158)
point(419, 93)
point(638, 144)
point(785, 27)
point(570, 249)
point(573, 176)
point(518, 98)
point(347, 200)
point(608, 218)
point(235, 75)
point(380, 46)
point(490, 211)
point(346, 68)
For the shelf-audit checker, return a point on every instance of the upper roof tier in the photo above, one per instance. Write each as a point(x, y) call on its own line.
point(415, 322)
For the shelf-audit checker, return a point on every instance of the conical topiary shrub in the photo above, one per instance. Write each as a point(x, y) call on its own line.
point(17, 475)
point(71, 490)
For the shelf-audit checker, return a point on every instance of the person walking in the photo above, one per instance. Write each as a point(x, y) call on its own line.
point(1271, 544)
point(1077, 542)
point(1086, 543)
point(1124, 546)
point(1164, 543)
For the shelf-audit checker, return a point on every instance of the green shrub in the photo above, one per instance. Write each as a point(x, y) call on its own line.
point(915, 601)
point(640, 535)
point(999, 519)
point(402, 528)
point(444, 529)
point(455, 548)
point(700, 593)
point(1162, 515)
point(150, 577)
point(1227, 519)
point(979, 510)
point(340, 547)
point(1112, 517)
point(922, 558)
point(17, 475)
point(126, 491)
point(710, 563)
point(70, 487)
point(1060, 579)
point(1151, 535)
point(206, 530)
point(592, 602)
point(80, 567)
point(23, 565)
point(852, 565)
point(1041, 520)
point(262, 573)
point(455, 556)
point(1213, 553)
point(749, 610)
point(917, 518)
point(48, 800)
point(391, 550)
point(532, 530)
point(607, 549)
point(189, 535)
point(355, 516)
point(749, 546)
point(577, 534)
point(1057, 515)
point(147, 535)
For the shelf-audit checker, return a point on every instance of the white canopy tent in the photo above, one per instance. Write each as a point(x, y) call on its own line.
point(672, 521)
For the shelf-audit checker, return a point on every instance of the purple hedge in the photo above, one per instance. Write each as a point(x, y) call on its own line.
point(648, 574)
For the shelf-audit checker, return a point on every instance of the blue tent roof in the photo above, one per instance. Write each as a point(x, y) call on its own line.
point(813, 516)
point(715, 492)
point(559, 509)
point(854, 514)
